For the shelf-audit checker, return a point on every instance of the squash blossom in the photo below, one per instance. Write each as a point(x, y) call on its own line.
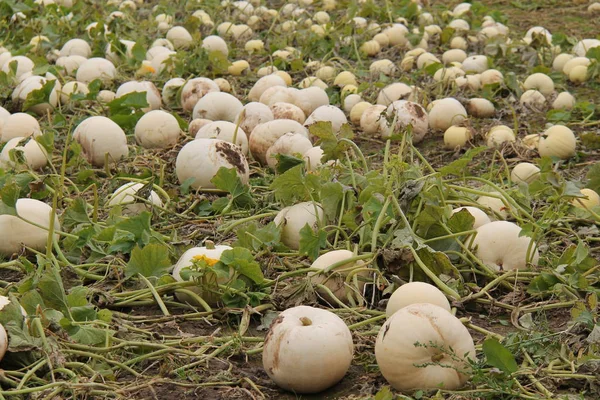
point(210, 261)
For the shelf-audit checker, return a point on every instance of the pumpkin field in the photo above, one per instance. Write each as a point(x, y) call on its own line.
point(313, 199)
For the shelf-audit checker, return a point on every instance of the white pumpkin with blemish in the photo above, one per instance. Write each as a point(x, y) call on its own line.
point(423, 346)
point(307, 350)
point(201, 159)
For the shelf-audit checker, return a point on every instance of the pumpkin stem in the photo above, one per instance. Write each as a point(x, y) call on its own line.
point(209, 244)
point(437, 357)
point(305, 321)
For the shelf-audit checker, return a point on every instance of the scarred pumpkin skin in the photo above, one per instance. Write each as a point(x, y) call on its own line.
point(413, 349)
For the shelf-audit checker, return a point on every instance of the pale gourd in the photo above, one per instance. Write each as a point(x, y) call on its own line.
point(350, 101)
point(19, 125)
point(127, 197)
point(263, 84)
point(499, 246)
point(423, 346)
point(524, 173)
point(312, 158)
point(194, 90)
point(289, 144)
point(35, 155)
point(540, 82)
point(335, 280)
point(218, 106)
point(200, 160)
point(480, 218)
point(457, 137)
point(101, 140)
point(327, 113)
point(393, 92)
point(283, 110)
point(533, 99)
point(264, 135)
point(253, 114)
point(557, 141)
point(564, 100)
point(157, 129)
point(180, 37)
point(96, 68)
point(591, 199)
point(481, 108)
point(226, 131)
point(370, 120)
point(307, 350)
point(16, 232)
point(211, 254)
point(446, 112)
point(357, 111)
point(499, 135)
point(153, 97)
point(404, 114)
point(495, 204)
point(293, 218)
point(413, 293)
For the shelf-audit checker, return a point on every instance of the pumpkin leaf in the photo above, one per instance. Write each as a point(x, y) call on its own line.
point(499, 356)
point(311, 242)
point(151, 260)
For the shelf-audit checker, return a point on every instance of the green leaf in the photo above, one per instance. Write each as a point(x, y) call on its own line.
point(312, 242)
point(461, 221)
point(499, 356)
point(254, 237)
point(593, 177)
point(542, 283)
point(591, 140)
point(331, 197)
point(20, 339)
point(85, 334)
point(227, 179)
point(385, 394)
point(139, 226)
point(459, 167)
point(332, 148)
point(127, 109)
point(52, 291)
point(9, 194)
point(77, 296)
point(242, 261)
point(138, 52)
point(285, 162)
point(294, 184)
point(151, 260)
point(39, 96)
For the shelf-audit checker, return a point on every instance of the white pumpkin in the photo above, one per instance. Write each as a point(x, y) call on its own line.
point(201, 159)
point(336, 281)
point(265, 135)
point(423, 346)
point(499, 246)
point(307, 350)
point(292, 219)
point(15, 232)
point(415, 292)
point(210, 253)
point(125, 197)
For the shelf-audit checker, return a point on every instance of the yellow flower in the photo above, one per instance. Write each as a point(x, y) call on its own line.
point(209, 261)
